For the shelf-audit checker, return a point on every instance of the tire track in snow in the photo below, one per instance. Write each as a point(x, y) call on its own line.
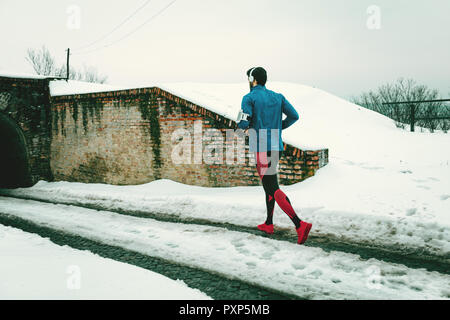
point(215, 286)
point(301, 271)
point(412, 259)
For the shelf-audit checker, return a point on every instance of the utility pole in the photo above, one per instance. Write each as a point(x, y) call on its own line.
point(68, 55)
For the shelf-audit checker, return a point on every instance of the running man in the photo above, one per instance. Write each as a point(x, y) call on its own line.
point(262, 113)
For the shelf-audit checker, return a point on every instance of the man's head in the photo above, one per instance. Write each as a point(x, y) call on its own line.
point(257, 76)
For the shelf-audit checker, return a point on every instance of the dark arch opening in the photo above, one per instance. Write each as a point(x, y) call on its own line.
point(14, 165)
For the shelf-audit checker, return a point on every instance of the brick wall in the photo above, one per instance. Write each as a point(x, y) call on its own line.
point(26, 103)
point(125, 137)
point(102, 138)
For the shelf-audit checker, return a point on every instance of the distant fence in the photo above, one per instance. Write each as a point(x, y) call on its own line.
point(413, 110)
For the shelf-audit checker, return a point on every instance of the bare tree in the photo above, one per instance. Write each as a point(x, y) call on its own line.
point(44, 64)
point(404, 90)
point(88, 74)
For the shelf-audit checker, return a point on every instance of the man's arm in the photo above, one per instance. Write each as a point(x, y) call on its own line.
point(290, 112)
point(247, 108)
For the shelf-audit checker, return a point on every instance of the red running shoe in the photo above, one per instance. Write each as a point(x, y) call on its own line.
point(303, 232)
point(266, 228)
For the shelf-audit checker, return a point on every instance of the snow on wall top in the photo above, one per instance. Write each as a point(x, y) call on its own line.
point(326, 121)
point(8, 74)
point(64, 88)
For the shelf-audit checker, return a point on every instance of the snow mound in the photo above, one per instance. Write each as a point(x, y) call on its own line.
point(326, 121)
point(349, 131)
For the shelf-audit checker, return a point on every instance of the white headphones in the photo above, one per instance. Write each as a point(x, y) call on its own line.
point(250, 77)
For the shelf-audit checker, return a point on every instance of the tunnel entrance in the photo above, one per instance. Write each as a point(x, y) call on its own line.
point(14, 166)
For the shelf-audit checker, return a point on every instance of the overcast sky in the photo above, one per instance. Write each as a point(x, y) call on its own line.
point(333, 45)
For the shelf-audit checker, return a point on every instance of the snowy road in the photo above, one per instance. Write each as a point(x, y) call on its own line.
point(415, 257)
point(301, 271)
point(35, 268)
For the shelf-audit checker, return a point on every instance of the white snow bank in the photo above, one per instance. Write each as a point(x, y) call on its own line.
point(406, 208)
point(298, 270)
point(35, 268)
point(326, 121)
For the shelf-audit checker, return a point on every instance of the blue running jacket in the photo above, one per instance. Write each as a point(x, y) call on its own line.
point(265, 109)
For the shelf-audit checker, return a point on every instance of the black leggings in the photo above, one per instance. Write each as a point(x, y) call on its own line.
point(266, 164)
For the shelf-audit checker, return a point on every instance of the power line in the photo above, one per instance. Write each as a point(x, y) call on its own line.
point(114, 29)
point(132, 31)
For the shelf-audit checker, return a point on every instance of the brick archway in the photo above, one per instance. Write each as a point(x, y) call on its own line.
point(14, 158)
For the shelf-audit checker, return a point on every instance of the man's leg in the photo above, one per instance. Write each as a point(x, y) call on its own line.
point(283, 201)
point(285, 205)
point(273, 191)
point(270, 205)
point(262, 166)
point(267, 163)
point(270, 184)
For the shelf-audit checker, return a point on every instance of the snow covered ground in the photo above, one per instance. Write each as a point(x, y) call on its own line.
point(354, 202)
point(298, 270)
point(383, 186)
point(33, 267)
